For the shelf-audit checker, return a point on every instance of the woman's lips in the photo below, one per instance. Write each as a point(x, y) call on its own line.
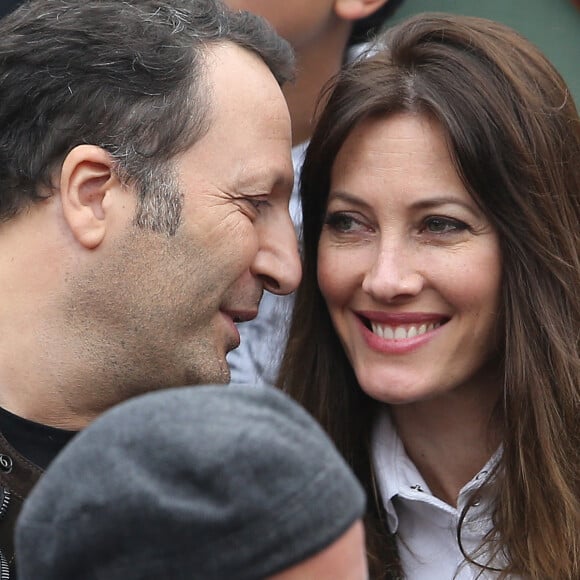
point(399, 333)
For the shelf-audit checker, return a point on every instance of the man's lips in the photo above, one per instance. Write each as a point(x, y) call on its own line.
point(234, 317)
point(240, 315)
point(233, 336)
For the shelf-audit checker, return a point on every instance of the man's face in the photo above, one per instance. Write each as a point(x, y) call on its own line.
point(159, 310)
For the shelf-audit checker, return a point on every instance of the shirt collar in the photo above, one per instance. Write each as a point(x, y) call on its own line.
point(391, 464)
point(397, 475)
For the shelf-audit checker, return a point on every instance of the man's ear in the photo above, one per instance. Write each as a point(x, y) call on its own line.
point(357, 9)
point(87, 185)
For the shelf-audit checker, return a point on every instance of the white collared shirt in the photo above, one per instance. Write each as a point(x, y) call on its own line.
point(426, 526)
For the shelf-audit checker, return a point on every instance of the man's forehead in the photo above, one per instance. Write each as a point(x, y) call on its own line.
point(239, 77)
point(247, 145)
point(245, 96)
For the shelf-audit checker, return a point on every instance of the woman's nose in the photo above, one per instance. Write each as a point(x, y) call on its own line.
point(393, 274)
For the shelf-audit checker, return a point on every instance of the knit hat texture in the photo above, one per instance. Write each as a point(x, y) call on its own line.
point(206, 483)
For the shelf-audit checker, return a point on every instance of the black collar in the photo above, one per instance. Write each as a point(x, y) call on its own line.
point(38, 443)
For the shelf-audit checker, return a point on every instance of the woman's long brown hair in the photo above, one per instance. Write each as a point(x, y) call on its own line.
point(513, 133)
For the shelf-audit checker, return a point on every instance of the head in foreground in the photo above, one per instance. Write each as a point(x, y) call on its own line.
point(205, 482)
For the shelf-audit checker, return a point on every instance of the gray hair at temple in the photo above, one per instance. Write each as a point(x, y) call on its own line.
point(128, 76)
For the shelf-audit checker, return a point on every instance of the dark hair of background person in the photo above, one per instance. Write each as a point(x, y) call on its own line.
point(134, 86)
point(7, 6)
point(365, 29)
point(513, 134)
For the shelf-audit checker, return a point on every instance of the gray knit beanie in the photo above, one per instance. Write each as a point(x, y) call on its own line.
point(201, 483)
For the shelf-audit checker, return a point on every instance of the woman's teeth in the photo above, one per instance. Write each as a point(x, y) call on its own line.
point(402, 332)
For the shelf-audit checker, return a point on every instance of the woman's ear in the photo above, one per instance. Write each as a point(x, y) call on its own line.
point(357, 9)
point(87, 185)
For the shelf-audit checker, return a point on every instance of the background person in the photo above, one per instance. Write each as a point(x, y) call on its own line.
point(439, 310)
point(201, 482)
point(145, 173)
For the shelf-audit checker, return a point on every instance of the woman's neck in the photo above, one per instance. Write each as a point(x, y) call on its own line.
point(450, 438)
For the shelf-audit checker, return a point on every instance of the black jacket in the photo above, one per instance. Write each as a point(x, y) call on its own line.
point(18, 475)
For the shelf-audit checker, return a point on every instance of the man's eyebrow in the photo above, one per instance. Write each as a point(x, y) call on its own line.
point(266, 181)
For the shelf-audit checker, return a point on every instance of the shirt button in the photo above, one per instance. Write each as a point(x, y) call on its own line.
point(5, 463)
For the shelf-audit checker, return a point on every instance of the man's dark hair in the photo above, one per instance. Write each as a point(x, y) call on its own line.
point(128, 76)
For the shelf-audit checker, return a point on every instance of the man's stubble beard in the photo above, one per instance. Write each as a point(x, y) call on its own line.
point(137, 322)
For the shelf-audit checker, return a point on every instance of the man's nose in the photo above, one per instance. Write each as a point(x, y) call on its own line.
point(277, 262)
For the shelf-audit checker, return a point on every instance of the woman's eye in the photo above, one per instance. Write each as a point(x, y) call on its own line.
point(342, 222)
point(441, 225)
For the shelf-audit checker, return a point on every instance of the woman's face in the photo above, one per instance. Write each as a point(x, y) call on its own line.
point(408, 264)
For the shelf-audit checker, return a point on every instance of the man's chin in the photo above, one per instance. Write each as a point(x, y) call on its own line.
point(214, 372)
point(220, 377)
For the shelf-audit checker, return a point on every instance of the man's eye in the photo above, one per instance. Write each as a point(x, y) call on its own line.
point(253, 204)
point(258, 203)
point(442, 225)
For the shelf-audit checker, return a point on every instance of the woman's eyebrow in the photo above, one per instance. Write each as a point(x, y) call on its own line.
point(425, 203)
point(434, 202)
point(347, 197)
